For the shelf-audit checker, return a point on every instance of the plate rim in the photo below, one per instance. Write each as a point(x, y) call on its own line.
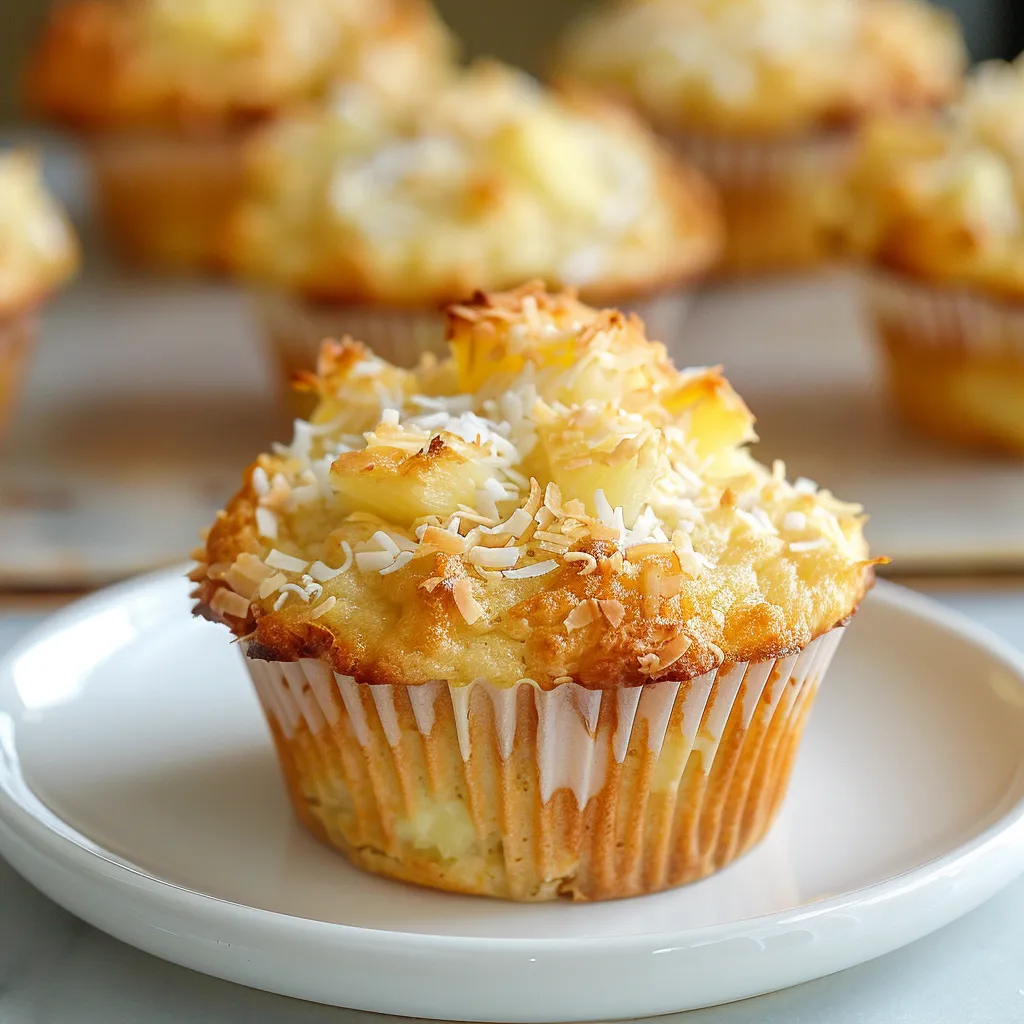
point(74, 851)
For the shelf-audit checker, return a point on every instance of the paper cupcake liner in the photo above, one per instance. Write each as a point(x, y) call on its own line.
point(531, 794)
point(17, 335)
point(777, 196)
point(946, 318)
point(296, 327)
point(163, 200)
point(955, 359)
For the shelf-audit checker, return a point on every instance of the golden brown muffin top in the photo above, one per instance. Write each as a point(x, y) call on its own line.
point(554, 502)
point(943, 199)
point(766, 67)
point(491, 181)
point(38, 250)
point(204, 64)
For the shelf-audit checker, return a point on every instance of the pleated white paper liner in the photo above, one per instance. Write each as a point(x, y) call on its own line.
point(533, 794)
point(296, 327)
point(775, 195)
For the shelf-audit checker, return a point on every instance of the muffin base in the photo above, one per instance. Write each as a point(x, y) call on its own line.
point(526, 794)
point(17, 336)
point(955, 361)
point(776, 197)
point(163, 200)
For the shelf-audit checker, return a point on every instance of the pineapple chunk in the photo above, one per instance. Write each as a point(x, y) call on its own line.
point(600, 448)
point(544, 330)
point(488, 352)
point(400, 487)
point(710, 413)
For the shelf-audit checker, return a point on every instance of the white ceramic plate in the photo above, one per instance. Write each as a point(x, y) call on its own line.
point(139, 789)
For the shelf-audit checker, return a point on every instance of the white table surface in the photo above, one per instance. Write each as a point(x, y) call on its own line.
point(55, 969)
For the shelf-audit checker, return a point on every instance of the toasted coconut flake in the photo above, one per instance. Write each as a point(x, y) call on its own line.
point(615, 563)
point(582, 615)
point(674, 650)
point(272, 585)
point(536, 498)
point(588, 560)
point(800, 546)
point(557, 539)
point(240, 583)
point(544, 517)
point(553, 499)
point(385, 542)
point(640, 551)
point(717, 652)
point(403, 559)
point(286, 563)
point(254, 568)
point(311, 587)
point(469, 608)
point(323, 573)
point(323, 607)
point(443, 540)
point(286, 591)
point(613, 611)
point(373, 561)
point(494, 558)
point(794, 521)
point(260, 482)
point(472, 516)
point(650, 664)
point(516, 525)
point(531, 571)
point(266, 523)
point(431, 584)
point(227, 602)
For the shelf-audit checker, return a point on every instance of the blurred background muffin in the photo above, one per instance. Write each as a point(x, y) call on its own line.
point(365, 219)
point(938, 210)
point(38, 252)
point(164, 91)
point(765, 95)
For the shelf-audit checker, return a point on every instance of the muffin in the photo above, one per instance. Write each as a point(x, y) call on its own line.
point(38, 252)
point(366, 222)
point(765, 95)
point(164, 92)
point(530, 622)
point(938, 213)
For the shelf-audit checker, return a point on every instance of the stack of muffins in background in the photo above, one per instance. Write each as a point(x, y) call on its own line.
point(529, 620)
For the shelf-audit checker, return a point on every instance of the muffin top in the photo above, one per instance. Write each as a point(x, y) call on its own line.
point(492, 181)
point(943, 199)
point(38, 250)
point(555, 502)
point(202, 64)
point(766, 67)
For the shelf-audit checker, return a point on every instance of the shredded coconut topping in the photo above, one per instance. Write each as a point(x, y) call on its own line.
point(557, 438)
